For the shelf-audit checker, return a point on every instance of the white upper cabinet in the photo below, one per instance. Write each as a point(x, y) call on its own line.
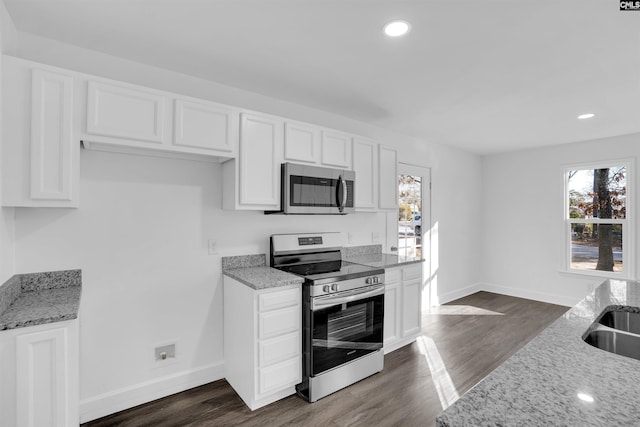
point(388, 178)
point(252, 181)
point(365, 165)
point(125, 111)
point(130, 118)
point(205, 125)
point(311, 144)
point(336, 149)
point(51, 136)
point(40, 146)
point(301, 142)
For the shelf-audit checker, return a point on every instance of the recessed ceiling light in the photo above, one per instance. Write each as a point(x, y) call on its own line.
point(585, 116)
point(396, 28)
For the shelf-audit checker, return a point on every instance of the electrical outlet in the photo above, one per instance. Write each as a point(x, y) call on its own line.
point(375, 237)
point(166, 352)
point(213, 249)
point(349, 238)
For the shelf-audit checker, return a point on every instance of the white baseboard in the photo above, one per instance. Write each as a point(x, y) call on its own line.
point(128, 397)
point(459, 293)
point(504, 290)
point(522, 293)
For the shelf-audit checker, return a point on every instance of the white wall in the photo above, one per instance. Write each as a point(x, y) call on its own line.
point(7, 253)
point(140, 237)
point(523, 237)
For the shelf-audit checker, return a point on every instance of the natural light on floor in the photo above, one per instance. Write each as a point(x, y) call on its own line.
point(462, 310)
point(441, 379)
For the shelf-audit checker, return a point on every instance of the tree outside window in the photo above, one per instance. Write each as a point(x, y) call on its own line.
point(597, 218)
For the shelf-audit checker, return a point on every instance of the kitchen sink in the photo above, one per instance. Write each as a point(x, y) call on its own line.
point(623, 344)
point(622, 321)
point(616, 331)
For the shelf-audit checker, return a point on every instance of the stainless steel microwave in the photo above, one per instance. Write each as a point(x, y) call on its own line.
point(312, 190)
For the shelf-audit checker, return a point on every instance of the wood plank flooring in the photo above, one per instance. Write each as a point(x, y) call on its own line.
point(462, 342)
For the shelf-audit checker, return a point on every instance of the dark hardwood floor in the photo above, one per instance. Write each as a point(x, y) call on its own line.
point(462, 342)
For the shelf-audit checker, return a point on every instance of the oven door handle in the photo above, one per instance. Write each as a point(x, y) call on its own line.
point(330, 301)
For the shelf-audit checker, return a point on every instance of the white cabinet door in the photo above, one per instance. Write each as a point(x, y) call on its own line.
point(204, 125)
point(125, 111)
point(46, 375)
point(411, 313)
point(301, 142)
point(388, 178)
point(336, 149)
point(365, 165)
point(392, 311)
point(40, 154)
point(51, 136)
point(259, 166)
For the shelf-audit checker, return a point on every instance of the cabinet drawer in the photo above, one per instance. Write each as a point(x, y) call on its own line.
point(280, 376)
point(392, 276)
point(278, 322)
point(413, 272)
point(278, 349)
point(279, 299)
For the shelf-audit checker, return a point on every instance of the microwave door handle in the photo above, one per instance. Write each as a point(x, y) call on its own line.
point(339, 199)
point(344, 194)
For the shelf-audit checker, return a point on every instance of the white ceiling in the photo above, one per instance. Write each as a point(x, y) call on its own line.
point(483, 75)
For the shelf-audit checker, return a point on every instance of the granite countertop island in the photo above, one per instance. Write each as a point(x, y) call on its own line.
point(558, 379)
point(40, 298)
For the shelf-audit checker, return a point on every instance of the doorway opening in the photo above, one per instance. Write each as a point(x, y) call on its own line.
point(414, 220)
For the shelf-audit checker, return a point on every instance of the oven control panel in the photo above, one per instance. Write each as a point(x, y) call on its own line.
point(346, 285)
point(373, 280)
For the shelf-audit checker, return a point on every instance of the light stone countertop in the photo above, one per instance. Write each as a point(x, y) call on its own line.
point(40, 298)
point(539, 385)
point(382, 260)
point(263, 277)
point(372, 256)
point(253, 272)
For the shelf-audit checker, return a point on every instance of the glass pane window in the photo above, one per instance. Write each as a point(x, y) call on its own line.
point(410, 215)
point(598, 193)
point(596, 246)
point(596, 202)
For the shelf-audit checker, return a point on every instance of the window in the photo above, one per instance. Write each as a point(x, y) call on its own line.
point(597, 219)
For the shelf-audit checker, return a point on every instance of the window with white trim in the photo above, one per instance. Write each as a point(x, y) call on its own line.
point(599, 235)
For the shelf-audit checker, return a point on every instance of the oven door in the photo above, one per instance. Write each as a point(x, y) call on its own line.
point(345, 326)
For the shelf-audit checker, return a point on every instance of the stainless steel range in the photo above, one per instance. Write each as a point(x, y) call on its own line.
point(342, 314)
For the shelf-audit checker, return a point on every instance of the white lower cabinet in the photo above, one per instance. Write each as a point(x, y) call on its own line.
point(262, 341)
point(39, 375)
point(402, 306)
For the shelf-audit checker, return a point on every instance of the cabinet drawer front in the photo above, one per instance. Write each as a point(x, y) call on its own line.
point(122, 112)
point(280, 376)
point(413, 272)
point(279, 299)
point(278, 349)
point(392, 276)
point(278, 322)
